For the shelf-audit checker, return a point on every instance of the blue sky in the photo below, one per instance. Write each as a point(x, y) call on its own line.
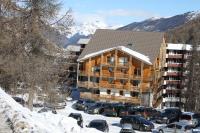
point(117, 12)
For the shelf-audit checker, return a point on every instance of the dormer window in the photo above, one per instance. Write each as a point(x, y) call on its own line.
point(111, 60)
point(123, 60)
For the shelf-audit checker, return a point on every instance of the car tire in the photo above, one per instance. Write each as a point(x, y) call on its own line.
point(140, 128)
point(161, 131)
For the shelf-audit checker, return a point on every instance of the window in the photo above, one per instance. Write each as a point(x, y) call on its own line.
point(123, 81)
point(110, 80)
point(95, 69)
point(123, 60)
point(111, 60)
point(124, 70)
point(134, 94)
point(94, 79)
point(171, 126)
point(135, 82)
point(110, 69)
point(121, 93)
point(137, 71)
point(108, 92)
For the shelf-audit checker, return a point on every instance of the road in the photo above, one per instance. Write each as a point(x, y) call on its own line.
point(4, 126)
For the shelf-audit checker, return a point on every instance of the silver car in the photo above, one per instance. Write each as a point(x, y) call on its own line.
point(176, 127)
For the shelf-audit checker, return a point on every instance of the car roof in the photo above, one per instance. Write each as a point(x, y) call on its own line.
point(98, 120)
point(188, 113)
point(78, 114)
point(181, 123)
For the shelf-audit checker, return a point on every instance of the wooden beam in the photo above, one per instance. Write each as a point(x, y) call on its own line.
point(141, 81)
point(89, 71)
point(101, 67)
point(115, 66)
point(77, 75)
point(130, 71)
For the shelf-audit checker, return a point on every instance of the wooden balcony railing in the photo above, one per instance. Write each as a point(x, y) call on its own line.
point(110, 98)
point(85, 84)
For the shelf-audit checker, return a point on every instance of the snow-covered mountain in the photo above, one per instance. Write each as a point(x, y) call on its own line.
point(86, 29)
point(162, 24)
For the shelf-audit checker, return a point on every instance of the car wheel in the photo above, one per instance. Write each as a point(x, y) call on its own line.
point(161, 131)
point(140, 128)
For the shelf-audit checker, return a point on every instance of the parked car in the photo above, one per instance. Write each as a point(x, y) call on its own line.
point(101, 125)
point(38, 105)
point(78, 117)
point(192, 118)
point(127, 128)
point(19, 100)
point(45, 109)
point(196, 130)
point(176, 127)
point(138, 122)
point(169, 115)
point(110, 111)
point(97, 108)
point(83, 104)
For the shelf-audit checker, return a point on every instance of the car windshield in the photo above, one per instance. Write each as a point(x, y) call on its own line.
point(144, 121)
point(98, 125)
point(185, 117)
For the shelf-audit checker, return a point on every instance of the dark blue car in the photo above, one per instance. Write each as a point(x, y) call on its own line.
point(137, 122)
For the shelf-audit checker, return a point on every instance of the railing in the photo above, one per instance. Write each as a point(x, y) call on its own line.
point(175, 73)
point(171, 99)
point(176, 56)
point(86, 84)
point(110, 97)
point(172, 82)
point(173, 64)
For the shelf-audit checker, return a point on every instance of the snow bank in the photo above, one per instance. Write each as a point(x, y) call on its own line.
point(25, 121)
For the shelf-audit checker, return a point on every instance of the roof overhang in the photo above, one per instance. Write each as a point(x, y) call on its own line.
point(124, 49)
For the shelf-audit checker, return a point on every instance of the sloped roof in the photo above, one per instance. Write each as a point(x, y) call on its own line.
point(123, 49)
point(145, 43)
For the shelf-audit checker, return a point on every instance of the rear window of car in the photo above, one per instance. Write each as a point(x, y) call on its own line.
point(196, 116)
point(188, 127)
point(185, 117)
point(178, 126)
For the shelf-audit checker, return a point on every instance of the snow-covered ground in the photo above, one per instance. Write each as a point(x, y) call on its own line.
point(4, 126)
point(25, 121)
point(113, 122)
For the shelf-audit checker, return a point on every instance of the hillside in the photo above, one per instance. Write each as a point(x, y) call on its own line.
point(188, 33)
point(162, 24)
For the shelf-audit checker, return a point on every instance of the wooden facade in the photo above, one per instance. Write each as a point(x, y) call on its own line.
point(115, 76)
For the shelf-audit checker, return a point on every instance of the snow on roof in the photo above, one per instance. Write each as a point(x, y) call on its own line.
point(121, 48)
point(83, 41)
point(74, 48)
point(173, 46)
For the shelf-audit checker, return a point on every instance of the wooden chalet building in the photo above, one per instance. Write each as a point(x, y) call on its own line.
point(120, 66)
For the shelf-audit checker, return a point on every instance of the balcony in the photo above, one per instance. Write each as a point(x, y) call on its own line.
point(171, 99)
point(174, 82)
point(173, 64)
point(85, 84)
point(110, 98)
point(172, 73)
point(174, 56)
point(120, 87)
